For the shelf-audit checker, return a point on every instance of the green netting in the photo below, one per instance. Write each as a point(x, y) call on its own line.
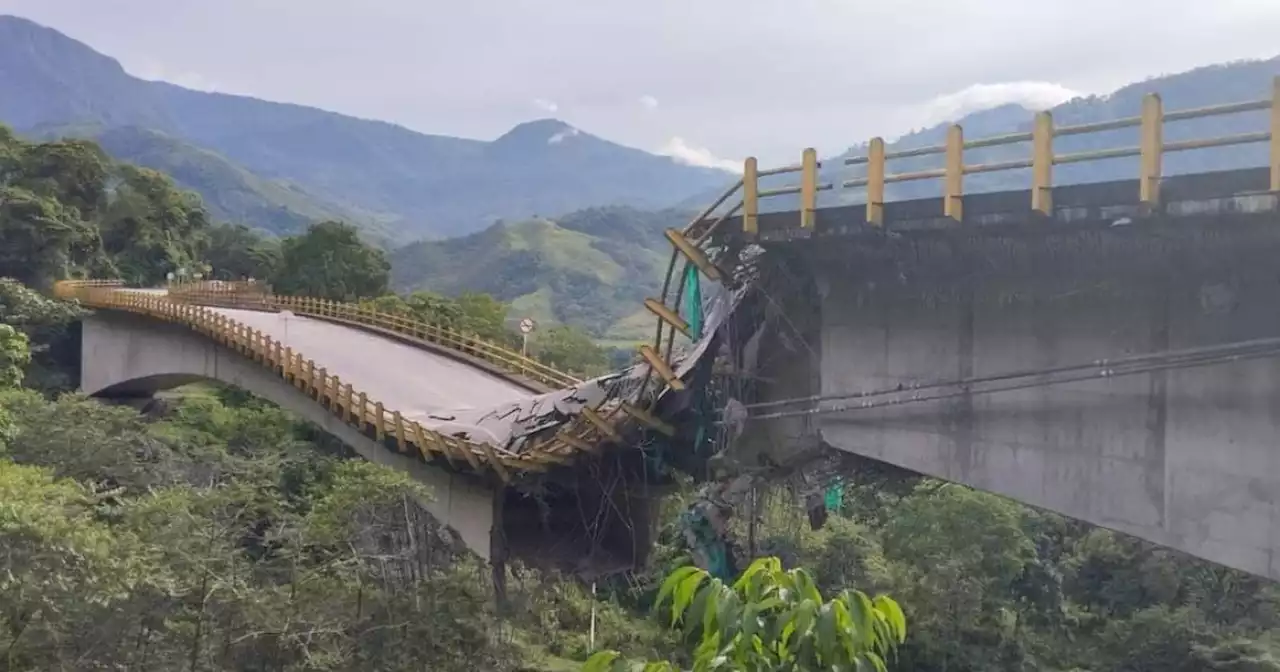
point(707, 543)
point(834, 497)
point(693, 300)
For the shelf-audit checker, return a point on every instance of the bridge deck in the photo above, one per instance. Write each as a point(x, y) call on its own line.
point(426, 386)
point(1083, 205)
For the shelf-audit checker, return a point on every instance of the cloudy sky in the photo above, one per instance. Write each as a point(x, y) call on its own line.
point(709, 80)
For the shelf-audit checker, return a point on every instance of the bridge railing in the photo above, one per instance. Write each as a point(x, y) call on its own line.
point(1041, 159)
point(253, 296)
point(353, 407)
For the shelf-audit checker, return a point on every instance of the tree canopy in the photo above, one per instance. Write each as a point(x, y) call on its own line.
point(66, 209)
point(330, 261)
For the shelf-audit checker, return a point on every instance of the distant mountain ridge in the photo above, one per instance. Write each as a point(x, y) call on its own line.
point(420, 185)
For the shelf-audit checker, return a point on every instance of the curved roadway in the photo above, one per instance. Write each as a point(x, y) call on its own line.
point(435, 390)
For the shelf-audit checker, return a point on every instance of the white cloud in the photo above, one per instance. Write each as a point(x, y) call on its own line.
point(188, 80)
point(683, 152)
point(545, 105)
point(559, 137)
point(1031, 95)
point(649, 102)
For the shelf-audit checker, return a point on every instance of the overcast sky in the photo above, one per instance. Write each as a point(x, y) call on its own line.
point(708, 79)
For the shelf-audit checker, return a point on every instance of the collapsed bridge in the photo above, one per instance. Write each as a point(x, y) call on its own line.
point(1104, 350)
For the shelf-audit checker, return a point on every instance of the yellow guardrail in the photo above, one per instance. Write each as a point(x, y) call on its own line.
point(1150, 152)
point(353, 407)
point(251, 296)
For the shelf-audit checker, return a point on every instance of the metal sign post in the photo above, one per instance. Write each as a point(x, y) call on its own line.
point(527, 325)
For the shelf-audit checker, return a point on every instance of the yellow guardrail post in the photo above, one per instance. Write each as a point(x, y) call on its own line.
point(875, 182)
point(398, 422)
point(313, 385)
point(1151, 147)
point(808, 188)
point(953, 195)
point(323, 387)
point(750, 197)
point(1042, 164)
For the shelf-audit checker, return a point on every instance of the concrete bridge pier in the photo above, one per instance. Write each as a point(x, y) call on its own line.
point(1188, 458)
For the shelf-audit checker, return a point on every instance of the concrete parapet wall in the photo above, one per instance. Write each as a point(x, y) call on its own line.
point(125, 355)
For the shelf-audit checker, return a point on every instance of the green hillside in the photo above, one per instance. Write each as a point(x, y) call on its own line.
point(591, 268)
point(230, 193)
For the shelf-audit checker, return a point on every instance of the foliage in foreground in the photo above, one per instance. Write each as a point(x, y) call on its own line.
point(219, 539)
point(770, 620)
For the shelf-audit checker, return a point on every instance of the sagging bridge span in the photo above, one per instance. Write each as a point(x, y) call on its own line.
point(1106, 351)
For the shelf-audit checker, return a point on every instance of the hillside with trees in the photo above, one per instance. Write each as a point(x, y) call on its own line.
point(590, 268)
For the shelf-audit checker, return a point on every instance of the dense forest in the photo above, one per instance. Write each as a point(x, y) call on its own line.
point(213, 531)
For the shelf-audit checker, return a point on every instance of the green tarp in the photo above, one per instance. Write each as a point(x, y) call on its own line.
point(693, 300)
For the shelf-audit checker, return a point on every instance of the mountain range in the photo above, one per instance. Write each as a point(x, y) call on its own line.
point(276, 165)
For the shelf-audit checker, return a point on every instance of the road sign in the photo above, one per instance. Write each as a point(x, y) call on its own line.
point(527, 325)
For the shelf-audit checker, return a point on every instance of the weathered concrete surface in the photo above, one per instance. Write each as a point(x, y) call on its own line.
point(1189, 458)
point(124, 354)
point(422, 385)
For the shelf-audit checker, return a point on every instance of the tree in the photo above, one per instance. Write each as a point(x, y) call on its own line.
point(14, 356)
point(67, 210)
point(39, 236)
point(961, 585)
point(330, 261)
point(570, 349)
point(485, 317)
point(45, 322)
point(151, 226)
point(422, 306)
point(61, 561)
point(237, 252)
point(772, 619)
